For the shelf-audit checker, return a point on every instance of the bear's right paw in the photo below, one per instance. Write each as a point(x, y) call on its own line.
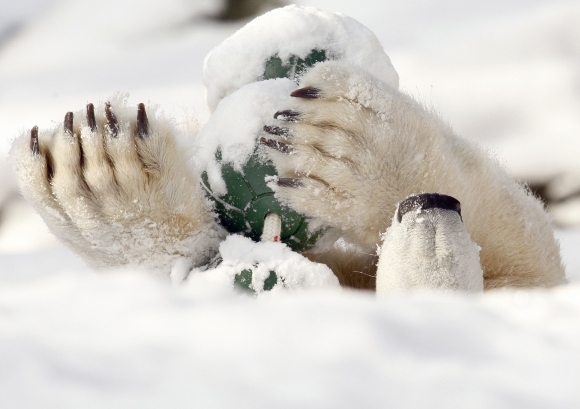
point(333, 149)
point(114, 186)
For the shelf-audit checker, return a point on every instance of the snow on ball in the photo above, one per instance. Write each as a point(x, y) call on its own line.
point(235, 167)
point(288, 33)
point(239, 254)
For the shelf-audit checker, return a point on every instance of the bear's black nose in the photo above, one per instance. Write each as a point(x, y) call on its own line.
point(428, 201)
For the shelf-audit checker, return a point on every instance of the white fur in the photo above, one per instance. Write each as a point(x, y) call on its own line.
point(363, 146)
point(130, 201)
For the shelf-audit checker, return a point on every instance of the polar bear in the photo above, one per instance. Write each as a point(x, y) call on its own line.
point(113, 184)
point(361, 147)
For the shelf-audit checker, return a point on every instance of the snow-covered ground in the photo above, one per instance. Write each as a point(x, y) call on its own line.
point(504, 73)
point(125, 341)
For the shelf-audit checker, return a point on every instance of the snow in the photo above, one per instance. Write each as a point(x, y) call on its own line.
point(124, 340)
point(233, 127)
point(502, 73)
point(80, 16)
point(293, 271)
point(570, 242)
point(291, 31)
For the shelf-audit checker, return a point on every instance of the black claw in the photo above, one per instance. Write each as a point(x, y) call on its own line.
point(286, 115)
point(68, 123)
point(142, 122)
point(111, 120)
point(306, 92)
point(289, 182)
point(91, 121)
point(276, 130)
point(279, 146)
point(34, 141)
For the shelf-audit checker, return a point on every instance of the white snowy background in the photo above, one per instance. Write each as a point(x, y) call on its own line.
point(506, 74)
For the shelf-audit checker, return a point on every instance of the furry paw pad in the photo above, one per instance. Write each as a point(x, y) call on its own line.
point(329, 149)
point(112, 183)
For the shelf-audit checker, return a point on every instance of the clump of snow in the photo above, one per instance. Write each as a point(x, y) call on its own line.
point(233, 127)
point(239, 253)
point(288, 31)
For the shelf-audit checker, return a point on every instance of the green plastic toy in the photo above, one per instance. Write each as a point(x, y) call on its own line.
point(248, 199)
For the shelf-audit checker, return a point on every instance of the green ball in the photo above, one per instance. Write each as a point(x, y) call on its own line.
point(276, 68)
point(248, 199)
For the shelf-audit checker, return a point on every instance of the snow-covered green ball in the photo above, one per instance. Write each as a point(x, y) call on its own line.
point(248, 199)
